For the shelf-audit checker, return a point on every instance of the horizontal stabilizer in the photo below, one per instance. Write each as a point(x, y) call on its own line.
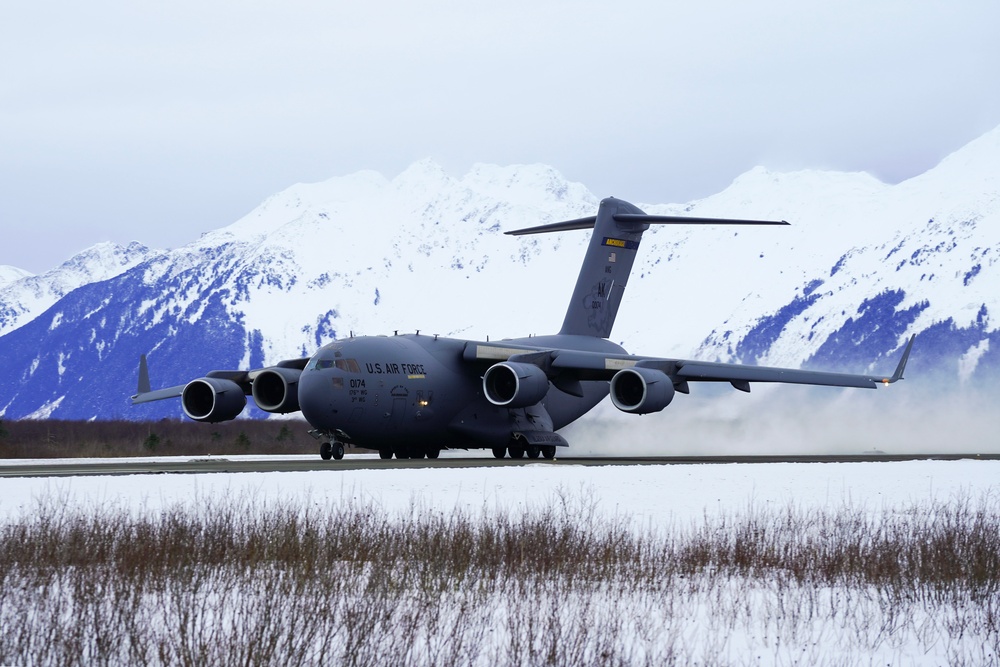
point(638, 219)
point(568, 225)
point(683, 220)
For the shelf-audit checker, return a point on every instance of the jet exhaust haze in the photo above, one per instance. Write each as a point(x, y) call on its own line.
point(799, 421)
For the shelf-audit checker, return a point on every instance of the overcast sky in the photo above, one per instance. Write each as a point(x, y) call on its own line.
point(158, 121)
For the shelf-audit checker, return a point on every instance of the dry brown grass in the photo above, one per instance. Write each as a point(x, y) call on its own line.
point(61, 439)
point(235, 581)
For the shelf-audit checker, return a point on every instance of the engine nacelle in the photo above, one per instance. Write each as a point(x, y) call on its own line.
point(277, 389)
point(515, 385)
point(641, 390)
point(212, 400)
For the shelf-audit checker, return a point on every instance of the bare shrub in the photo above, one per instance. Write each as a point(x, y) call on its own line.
point(234, 580)
point(59, 439)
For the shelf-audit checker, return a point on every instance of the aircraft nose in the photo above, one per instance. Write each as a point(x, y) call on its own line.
point(316, 398)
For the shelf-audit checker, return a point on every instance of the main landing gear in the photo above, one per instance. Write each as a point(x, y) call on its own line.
point(410, 452)
point(519, 451)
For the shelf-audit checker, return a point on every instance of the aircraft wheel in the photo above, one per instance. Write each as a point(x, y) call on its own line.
point(516, 452)
point(533, 451)
point(433, 452)
point(499, 452)
point(385, 453)
point(338, 450)
point(401, 453)
point(549, 451)
point(325, 451)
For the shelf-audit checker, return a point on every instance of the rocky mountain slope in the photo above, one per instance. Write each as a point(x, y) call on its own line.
point(862, 266)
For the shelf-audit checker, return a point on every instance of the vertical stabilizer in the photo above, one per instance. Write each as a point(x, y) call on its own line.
point(604, 274)
point(618, 227)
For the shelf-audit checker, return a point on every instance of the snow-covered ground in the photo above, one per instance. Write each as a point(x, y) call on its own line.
point(702, 619)
point(654, 495)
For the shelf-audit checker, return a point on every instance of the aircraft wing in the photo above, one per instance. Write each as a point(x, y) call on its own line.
point(144, 394)
point(157, 395)
point(580, 365)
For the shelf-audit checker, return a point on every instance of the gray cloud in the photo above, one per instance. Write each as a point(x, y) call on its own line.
point(122, 121)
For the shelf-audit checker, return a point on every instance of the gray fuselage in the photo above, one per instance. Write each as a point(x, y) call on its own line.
point(386, 391)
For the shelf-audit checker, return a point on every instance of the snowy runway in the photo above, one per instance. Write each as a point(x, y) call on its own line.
point(647, 495)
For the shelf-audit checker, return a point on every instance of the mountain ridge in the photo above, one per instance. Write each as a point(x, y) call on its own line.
point(26, 295)
point(842, 288)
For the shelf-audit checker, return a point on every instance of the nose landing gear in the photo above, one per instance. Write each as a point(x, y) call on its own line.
point(329, 450)
point(330, 447)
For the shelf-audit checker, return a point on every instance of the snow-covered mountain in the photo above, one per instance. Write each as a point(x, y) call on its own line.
point(862, 266)
point(24, 296)
point(9, 274)
point(919, 257)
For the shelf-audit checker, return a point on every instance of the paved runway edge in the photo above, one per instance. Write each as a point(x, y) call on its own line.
point(221, 465)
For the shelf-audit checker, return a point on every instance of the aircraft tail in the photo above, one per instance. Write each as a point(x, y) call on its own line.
point(618, 228)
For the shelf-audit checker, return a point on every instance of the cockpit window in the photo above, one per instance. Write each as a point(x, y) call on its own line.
point(348, 365)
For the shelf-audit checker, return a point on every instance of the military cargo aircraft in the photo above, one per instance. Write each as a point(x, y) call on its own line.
point(413, 395)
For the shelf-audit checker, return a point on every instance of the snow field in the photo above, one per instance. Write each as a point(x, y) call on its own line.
point(538, 564)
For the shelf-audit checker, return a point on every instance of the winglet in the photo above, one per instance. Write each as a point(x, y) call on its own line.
point(898, 375)
point(143, 387)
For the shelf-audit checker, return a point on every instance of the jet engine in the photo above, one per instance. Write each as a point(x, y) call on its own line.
point(641, 390)
point(212, 400)
point(515, 385)
point(277, 389)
